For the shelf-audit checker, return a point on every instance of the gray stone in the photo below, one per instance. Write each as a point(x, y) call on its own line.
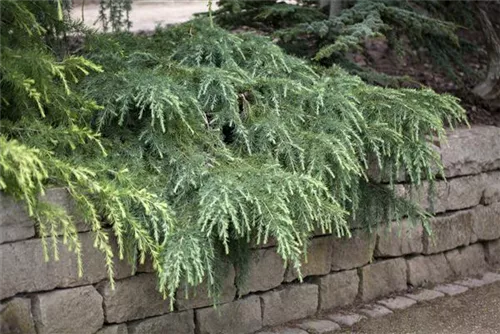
point(491, 194)
point(397, 303)
point(21, 259)
point(133, 298)
point(239, 317)
point(492, 250)
point(448, 232)
point(173, 323)
point(199, 296)
point(428, 269)
point(425, 295)
point(266, 271)
point(399, 239)
point(291, 303)
point(114, 329)
point(467, 261)
point(436, 203)
point(471, 282)
point(354, 252)
point(62, 198)
point(451, 289)
point(486, 222)
point(77, 310)
point(382, 278)
point(289, 330)
point(465, 192)
point(471, 151)
point(318, 259)
point(16, 318)
point(338, 289)
point(319, 326)
point(374, 311)
point(491, 277)
point(346, 319)
point(15, 223)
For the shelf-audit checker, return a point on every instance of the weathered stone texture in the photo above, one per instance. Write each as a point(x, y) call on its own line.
point(239, 317)
point(467, 261)
point(292, 303)
point(465, 192)
point(77, 310)
point(15, 224)
point(21, 259)
point(399, 239)
point(451, 289)
point(397, 303)
point(449, 232)
point(62, 198)
point(382, 278)
point(349, 253)
point(486, 222)
point(319, 326)
point(266, 271)
point(437, 203)
point(471, 151)
point(375, 311)
point(425, 295)
point(173, 323)
point(338, 289)
point(492, 250)
point(133, 298)
point(16, 318)
point(346, 319)
point(199, 297)
point(318, 259)
point(491, 194)
point(114, 329)
point(428, 269)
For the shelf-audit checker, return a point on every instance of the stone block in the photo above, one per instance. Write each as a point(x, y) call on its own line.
point(319, 326)
point(491, 194)
point(16, 318)
point(199, 296)
point(354, 252)
point(113, 329)
point(397, 303)
point(62, 198)
point(492, 250)
point(337, 289)
point(173, 323)
point(451, 289)
point(471, 151)
point(21, 259)
point(491, 277)
point(382, 278)
point(266, 271)
point(239, 317)
point(436, 203)
point(471, 282)
point(291, 303)
point(397, 239)
point(318, 260)
point(467, 261)
point(425, 295)
point(428, 269)
point(448, 232)
point(290, 330)
point(15, 224)
point(486, 222)
point(346, 319)
point(77, 310)
point(465, 192)
point(374, 311)
point(133, 298)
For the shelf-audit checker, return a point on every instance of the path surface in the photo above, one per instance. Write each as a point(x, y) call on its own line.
point(477, 311)
point(145, 15)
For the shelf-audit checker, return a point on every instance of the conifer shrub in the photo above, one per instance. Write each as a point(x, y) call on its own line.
point(191, 145)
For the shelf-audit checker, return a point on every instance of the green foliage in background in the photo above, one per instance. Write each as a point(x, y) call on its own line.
point(194, 143)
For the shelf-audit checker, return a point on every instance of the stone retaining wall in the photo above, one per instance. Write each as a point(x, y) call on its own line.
point(49, 297)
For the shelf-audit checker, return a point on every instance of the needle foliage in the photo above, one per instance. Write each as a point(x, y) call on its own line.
point(195, 143)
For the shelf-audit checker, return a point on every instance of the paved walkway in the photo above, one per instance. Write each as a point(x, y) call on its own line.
point(476, 311)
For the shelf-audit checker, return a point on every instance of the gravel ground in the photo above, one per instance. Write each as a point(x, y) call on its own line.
point(477, 311)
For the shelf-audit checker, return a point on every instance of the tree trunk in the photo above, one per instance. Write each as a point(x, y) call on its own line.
point(489, 89)
point(335, 6)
